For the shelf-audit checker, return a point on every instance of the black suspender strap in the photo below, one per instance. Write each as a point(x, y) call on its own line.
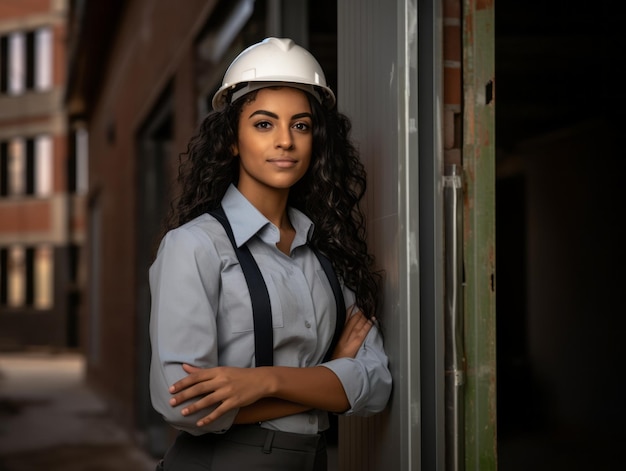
point(339, 301)
point(261, 307)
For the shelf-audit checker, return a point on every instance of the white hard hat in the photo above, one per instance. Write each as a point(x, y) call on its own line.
point(274, 62)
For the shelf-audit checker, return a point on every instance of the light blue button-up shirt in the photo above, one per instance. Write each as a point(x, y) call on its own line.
point(202, 314)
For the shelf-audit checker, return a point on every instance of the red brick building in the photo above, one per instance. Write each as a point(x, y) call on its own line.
point(41, 223)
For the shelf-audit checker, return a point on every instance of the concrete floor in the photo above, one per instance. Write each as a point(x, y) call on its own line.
point(49, 419)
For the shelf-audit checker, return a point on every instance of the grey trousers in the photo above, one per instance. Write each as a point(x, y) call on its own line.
point(247, 447)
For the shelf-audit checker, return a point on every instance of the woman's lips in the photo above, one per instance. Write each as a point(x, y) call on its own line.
point(283, 163)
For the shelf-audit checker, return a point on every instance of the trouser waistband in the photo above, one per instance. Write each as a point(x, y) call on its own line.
point(254, 435)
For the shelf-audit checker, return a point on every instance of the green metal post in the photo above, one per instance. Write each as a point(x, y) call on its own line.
point(479, 236)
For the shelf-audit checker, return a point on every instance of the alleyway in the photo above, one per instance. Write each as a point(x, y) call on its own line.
point(50, 420)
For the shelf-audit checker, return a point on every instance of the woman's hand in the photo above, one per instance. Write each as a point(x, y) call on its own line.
point(227, 387)
point(353, 335)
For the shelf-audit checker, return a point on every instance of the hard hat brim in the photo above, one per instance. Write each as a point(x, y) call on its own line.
point(324, 96)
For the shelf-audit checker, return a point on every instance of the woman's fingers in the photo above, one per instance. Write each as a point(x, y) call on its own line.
point(226, 387)
point(195, 376)
point(353, 335)
point(358, 322)
point(194, 384)
point(191, 392)
point(217, 413)
point(208, 401)
point(357, 327)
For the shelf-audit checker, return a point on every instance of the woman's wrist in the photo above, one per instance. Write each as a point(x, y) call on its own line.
point(269, 379)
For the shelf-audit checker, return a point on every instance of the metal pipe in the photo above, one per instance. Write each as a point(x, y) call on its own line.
point(454, 359)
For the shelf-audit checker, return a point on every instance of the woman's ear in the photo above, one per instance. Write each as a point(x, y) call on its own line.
point(235, 150)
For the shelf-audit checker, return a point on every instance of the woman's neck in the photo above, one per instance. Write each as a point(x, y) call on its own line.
point(270, 202)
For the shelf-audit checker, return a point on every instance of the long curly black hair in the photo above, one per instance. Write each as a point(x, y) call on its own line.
point(329, 193)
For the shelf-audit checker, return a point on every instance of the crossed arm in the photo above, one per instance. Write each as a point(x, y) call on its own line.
point(269, 392)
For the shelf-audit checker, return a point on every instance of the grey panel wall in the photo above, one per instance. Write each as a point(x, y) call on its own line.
point(378, 89)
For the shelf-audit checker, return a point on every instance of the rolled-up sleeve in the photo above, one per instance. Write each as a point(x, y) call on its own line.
point(184, 286)
point(366, 379)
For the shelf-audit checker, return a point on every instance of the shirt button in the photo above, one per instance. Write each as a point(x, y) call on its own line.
point(307, 324)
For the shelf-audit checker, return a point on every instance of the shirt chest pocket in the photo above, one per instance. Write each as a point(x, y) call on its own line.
point(236, 306)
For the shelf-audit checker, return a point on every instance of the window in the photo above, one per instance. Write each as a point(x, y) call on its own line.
point(16, 277)
point(82, 159)
point(43, 166)
point(29, 60)
point(78, 169)
point(4, 64)
point(17, 167)
point(26, 167)
point(43, 276)
point(43, 59)
point(4, 275)
point(17, 63)
point(26, 61)
point(27, 276)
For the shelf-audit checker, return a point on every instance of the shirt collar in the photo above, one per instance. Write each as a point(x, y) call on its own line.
point(246, 221)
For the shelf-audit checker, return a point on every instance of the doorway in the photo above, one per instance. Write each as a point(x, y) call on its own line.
point(154, 142)
point(560, 253)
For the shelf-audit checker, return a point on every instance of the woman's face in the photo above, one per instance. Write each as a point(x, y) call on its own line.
point(275, 140)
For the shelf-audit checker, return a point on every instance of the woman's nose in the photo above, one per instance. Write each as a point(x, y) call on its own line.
point(284, 139)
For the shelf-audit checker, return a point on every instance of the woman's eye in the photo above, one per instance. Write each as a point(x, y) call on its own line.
point(302, 126)
point(263, 125)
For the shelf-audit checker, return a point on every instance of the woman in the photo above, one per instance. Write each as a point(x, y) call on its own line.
point(276, 159)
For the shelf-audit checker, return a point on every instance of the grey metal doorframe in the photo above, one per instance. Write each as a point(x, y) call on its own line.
point(390, 84)
point(431, 235)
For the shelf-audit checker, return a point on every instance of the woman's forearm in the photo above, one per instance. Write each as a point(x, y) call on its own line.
point(231, 388)
point(268, 409)
point(316, 387)
point(295, 390)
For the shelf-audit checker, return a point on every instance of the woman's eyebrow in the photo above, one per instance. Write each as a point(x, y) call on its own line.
point(302, 115)
point(275, 116)
point(263, 112)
